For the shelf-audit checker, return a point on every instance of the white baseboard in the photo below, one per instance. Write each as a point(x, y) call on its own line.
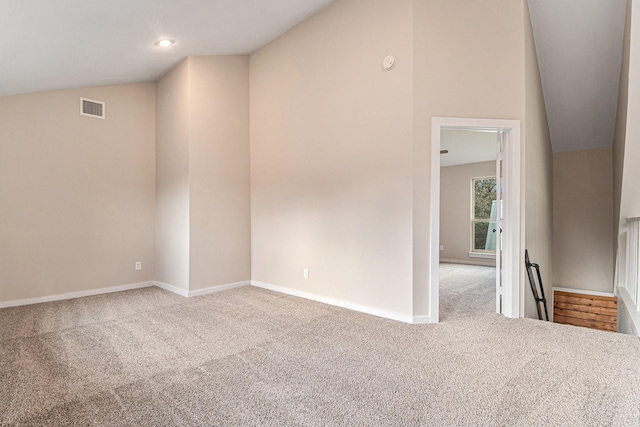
point(344, 304)
point(220, 288)
point(198, 292)
point(72, 295)
point(175, 290)
point(583, 292)
point(478, 262)
point(187, 294)
point(422, 320)
point(483, 255)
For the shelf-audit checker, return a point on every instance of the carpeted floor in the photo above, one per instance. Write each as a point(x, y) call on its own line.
point(466, 290)
point(253, 357)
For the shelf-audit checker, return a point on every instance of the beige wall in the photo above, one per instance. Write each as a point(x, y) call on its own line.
point(626, 149)
point(455, 211)
point(537, 174)
point(220, 238)
point(582, 217)
point(621, 126)
point(309, 178)
point(340, 150)
point(630, 190)
point(469, 62)
point(203, 173)
point(76, 193)
point(172, 177)
point(331, 156)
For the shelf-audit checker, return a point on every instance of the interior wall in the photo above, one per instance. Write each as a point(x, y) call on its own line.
point(331, 156)
point(340, 148)
point(469, 62)
point(203, 225)
point(630, 190)
point(172, 177)
point(537, 185)
point(219, 226)
point(627, 148)
point(76, 193)
point(582, 217)
point(455, 211)
point(621, 126)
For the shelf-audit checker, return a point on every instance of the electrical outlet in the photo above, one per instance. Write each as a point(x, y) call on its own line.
point(138, 265)
point(442, 247)
point(305, 273)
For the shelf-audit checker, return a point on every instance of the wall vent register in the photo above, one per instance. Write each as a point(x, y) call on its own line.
point(92, 108)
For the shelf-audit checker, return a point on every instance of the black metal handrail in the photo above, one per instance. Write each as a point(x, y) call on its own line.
point(539, 299)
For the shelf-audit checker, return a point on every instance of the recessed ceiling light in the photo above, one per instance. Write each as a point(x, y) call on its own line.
point(165, 43)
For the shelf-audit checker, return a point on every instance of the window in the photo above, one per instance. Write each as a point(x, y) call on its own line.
point(483, 214)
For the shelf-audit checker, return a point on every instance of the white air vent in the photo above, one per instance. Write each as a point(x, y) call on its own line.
point(91, 108)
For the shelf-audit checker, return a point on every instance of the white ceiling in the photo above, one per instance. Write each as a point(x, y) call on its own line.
point(467, 146)
point(579, 49)
point(59, 44)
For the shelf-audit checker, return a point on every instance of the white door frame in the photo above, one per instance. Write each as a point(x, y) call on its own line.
point(511, 251)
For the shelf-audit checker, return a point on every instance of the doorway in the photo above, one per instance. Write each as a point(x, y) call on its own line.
point(507, 243)
point(469, 210)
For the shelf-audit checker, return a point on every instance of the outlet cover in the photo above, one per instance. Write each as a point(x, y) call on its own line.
point(442, 247)
point(305, 273)
point(138, 265)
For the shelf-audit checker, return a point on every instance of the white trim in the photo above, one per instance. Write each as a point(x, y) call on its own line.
point(73, 295)
point(214, 289)
point(434, 225)
point(175, 290)
point(482, 255)
point(81, 294)
point(479, 262)
point(199, 292)
point(513, 281)
point(344, 304)
point(583, 292)
point(417, 320)
point(421, 320)
point(513, 302)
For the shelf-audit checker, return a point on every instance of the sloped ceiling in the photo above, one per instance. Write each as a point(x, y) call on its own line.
point(58, 44)
point(48, 45)
point(579, 49)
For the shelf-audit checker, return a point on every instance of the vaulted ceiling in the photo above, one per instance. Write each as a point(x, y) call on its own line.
point(48, 45)
point(579, 48)
point(58, 44)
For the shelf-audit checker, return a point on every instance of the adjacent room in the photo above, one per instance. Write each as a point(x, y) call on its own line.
point(228, 213)
point(468, 227)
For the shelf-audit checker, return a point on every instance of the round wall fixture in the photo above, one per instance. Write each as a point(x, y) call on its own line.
point(389, 62)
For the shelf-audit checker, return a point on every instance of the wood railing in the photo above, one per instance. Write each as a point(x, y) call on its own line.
point(627, 278)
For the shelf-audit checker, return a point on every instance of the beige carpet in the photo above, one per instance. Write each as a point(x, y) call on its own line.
point(466, 290)
point(253, 357)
